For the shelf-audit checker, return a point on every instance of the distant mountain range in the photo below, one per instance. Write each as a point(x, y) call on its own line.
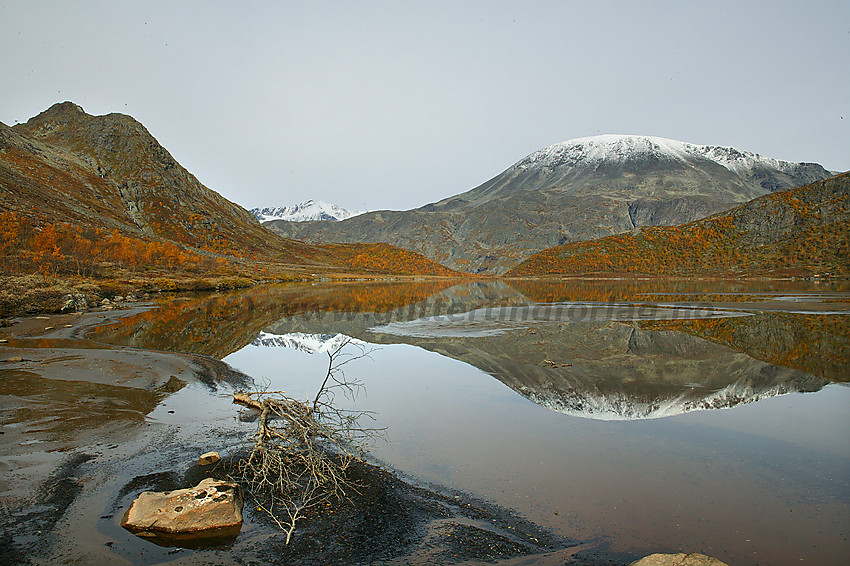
point(576, 190)
point(108, 173)
point(305, 212)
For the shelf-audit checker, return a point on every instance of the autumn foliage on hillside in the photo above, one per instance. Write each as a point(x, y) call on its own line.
point(801, 231)
point(62, 248)
point(384, 258)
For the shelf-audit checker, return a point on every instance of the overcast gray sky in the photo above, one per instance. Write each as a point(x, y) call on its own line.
point(394, 104)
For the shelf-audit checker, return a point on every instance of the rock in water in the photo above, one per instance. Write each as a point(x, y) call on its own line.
point(212, 509)
point(680, 559)
point(208, 458)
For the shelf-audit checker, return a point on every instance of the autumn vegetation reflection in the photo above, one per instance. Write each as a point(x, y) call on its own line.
point(219, 324)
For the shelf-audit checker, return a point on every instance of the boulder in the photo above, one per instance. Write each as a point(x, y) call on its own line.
point(210, 510)
point(680, 559)
point(76, 302)
point(208, 458)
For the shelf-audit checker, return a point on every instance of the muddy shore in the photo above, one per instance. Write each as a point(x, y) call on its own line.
point(83, 435)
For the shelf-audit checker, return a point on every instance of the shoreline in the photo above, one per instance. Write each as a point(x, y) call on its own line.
point(100, 449)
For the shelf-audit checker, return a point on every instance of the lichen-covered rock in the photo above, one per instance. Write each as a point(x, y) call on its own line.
point(680, 559)
point(212, 509)
point(76, 302)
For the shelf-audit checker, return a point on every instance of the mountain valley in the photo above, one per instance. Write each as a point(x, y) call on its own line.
point(99, 197)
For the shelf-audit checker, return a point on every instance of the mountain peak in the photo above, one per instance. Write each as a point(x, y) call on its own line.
point(306, 211)
point(614, 149)
point(66, 121)
point(59, 114)
point(67, 108)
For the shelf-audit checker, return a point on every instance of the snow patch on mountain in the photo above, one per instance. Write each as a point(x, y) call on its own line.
point(309, 343)
point(616, 148)
point(306, 211)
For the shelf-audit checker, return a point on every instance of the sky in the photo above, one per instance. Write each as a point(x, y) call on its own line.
point(392, 105)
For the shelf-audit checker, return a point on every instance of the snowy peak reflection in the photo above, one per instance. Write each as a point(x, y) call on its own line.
point(623, 405)
point(618, 371)
point(309, 343)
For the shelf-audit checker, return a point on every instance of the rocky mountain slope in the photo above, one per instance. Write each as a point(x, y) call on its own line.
point(308, 211)
point(576, 190)
point(70, 180)
point(109, 171)
point(800, 231)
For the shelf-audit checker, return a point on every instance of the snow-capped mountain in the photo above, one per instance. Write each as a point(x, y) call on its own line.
point(304, 212)
point(309, 343)
point(580, 189)
point(618, 149)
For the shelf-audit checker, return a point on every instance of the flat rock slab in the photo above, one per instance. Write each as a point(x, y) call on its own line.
point(680, 559)
point(212, 509)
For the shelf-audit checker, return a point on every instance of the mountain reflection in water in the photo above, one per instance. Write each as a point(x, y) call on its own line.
point(639, 353)
point(769, 476)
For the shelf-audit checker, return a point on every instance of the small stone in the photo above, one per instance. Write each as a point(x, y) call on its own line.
point(14, 359)
point(48, 328)
point(208, 458)
point(680, 559)
point(105, 302)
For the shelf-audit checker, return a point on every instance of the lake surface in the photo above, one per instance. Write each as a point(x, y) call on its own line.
point(647, 416)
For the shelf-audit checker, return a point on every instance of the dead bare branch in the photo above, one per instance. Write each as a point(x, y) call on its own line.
point(301, 451)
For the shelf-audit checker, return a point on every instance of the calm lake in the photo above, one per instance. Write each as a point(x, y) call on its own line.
point(646, 416)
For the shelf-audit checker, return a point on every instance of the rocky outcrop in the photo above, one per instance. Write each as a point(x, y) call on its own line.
point(680, 559)
point(210, 510)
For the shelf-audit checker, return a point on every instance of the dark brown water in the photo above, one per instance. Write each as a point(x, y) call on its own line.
point(702, 416)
